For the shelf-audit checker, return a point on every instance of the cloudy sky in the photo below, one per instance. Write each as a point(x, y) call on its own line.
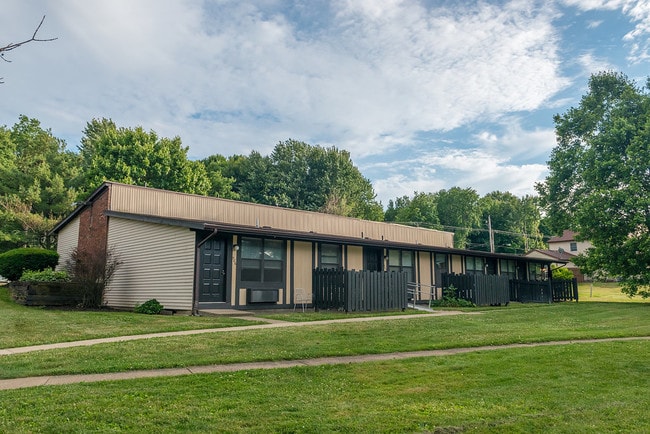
point(424, 94)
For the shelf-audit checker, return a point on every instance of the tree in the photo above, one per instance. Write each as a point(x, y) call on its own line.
point(36, 189)
point(458, 209)
point(420, 210)
point(514, 220)
point(302, 176)
point(13, 45)
point(134, 156)
point(599, 179)
point(221, 185)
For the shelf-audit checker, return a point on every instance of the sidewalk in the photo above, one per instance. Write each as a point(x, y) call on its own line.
point(19, 383)
point(270, 324)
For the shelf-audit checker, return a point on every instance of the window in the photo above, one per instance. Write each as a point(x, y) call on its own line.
point(441, 266)
point(536, 271)
point(573, 247)
point(508, 268)
point(474, 265)
point(401, 260)
point(330, 256)
point(262, 260)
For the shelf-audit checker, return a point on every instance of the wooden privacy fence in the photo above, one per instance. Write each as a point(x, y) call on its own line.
point(531, 291)
point(546, 291)
point(483, 290)
point(565, 290)
point(480, 289)
point(359, 290)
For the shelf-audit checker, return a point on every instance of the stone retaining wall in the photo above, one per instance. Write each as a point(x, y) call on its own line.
point(45, 293)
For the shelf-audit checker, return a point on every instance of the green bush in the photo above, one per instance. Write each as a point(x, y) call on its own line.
point(47, 275)
point(150, 307)
point(450, 299)
point(561, 273)
point(14, 262)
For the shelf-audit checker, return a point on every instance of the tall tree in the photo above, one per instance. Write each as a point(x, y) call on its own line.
point(220, 184)
point(458, 209)
point(599, 179)
point(302, 176)
point(514, 220)
point(134, 156)
point(420, 210)
point(36, 173)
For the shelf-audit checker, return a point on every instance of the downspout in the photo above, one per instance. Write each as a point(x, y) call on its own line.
point(197, 272)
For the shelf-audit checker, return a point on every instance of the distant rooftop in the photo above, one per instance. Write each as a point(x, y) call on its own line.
point(567, 235)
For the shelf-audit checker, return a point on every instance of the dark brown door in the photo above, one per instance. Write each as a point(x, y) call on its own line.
point(373, 259)
point(213, 271)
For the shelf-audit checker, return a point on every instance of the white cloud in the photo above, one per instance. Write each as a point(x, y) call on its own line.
point(244, 77)
point(639, 13)
point(517, 143)
point(592, 64)
point(483, 170)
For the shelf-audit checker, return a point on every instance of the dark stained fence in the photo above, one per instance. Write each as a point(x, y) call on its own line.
point(329, 289)
point(544, 291)
point(482, 290)
point(531, 291)
point(359, 290)
point(565, 290)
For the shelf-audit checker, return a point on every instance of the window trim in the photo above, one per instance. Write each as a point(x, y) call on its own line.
point(339, 256)
point(401, 266)
point(263, 260)
point(474, 270)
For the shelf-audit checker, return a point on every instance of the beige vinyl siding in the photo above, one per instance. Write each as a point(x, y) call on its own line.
point(161, 203)
point(157, 262)
point(67, 241)
point(457, 264)
point(424, 265)
point(302, 267)
point(355, 258)
point(537, 255)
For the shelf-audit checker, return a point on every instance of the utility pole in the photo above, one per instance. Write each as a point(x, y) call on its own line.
point(491, 234)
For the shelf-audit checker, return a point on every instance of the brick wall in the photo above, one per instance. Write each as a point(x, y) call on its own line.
point(93, 227)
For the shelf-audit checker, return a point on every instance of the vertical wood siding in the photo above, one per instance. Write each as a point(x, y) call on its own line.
point(161, 203)
point(67, 241)
point(302, 268)
point(355, 258)
point(157, 262)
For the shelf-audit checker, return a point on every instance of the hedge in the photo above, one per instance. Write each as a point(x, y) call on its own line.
point(14, 262)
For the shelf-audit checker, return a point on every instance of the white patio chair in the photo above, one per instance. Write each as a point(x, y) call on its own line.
point(300, 297)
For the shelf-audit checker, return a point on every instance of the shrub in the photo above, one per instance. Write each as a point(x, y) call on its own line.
point(14, 262)
point(450, 299)
point(47, 275)
point(92, 271)
point(561, 273)
point(150, 307)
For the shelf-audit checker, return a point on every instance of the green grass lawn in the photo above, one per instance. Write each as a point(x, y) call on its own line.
point(582, 387)
point(606, 291)
point(26, 325)
point(497, 326)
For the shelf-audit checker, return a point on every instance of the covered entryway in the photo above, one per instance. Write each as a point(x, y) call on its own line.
point(373, 259)
point(212, 285)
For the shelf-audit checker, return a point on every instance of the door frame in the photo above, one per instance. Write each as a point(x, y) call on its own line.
point(201, 238)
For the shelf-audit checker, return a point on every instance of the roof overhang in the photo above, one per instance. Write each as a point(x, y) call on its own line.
point(269, 232)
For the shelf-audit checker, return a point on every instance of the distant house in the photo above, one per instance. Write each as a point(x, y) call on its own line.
point(563, 248)
point(194, 252)
point(567, 243)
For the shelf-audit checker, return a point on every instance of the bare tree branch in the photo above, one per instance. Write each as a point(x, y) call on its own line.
point(14, 45)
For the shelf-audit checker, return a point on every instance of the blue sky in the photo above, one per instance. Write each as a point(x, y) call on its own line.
point(424, 94)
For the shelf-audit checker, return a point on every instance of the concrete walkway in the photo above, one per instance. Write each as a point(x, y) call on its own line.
point(270, 324)
point(19, 383)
